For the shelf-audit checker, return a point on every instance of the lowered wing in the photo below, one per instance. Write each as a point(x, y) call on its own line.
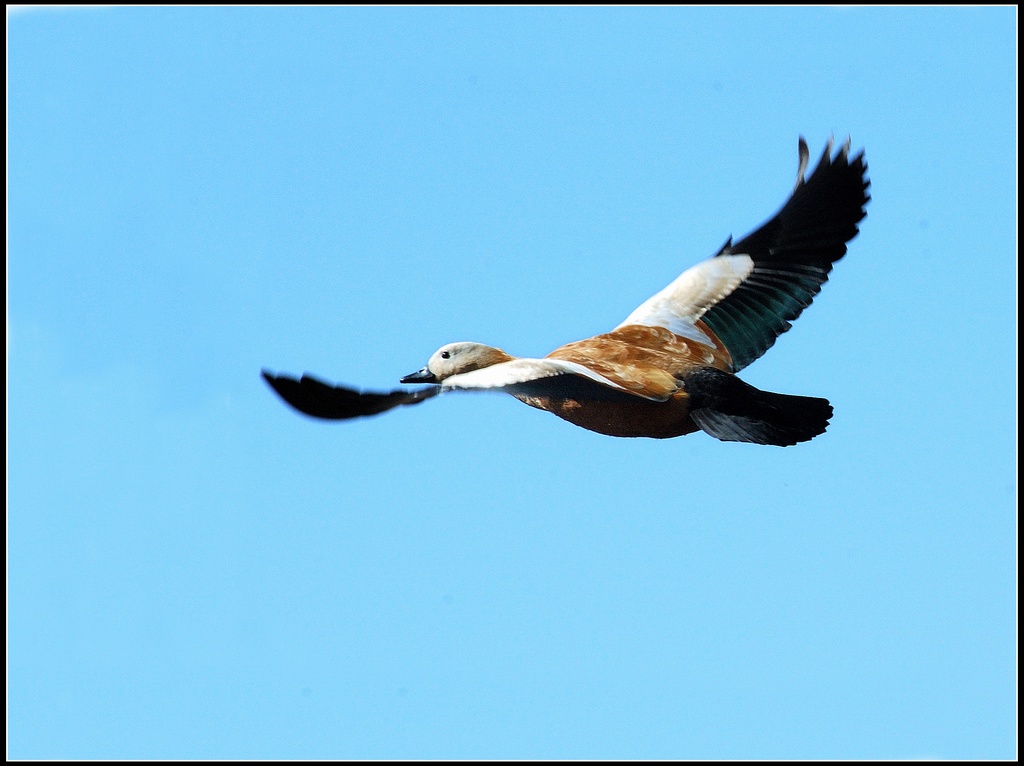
point(545, 377)
point(322, 400)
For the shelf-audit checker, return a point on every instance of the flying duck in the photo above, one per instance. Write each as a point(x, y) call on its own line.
point(670, 367)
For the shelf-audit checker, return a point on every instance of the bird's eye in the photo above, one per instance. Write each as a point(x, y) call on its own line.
point(446, 354)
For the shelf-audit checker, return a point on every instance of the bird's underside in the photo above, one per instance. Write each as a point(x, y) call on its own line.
point(668, 369)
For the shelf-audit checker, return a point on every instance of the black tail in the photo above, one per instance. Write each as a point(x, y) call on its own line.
point(729, 409)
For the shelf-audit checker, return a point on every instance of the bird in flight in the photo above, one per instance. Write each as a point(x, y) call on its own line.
point(670, 367)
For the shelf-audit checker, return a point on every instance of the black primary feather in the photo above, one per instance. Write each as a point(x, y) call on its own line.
point(793, 253)
point(329, 402)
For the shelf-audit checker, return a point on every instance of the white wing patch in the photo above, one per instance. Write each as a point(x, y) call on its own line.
point(500, 376)
point(693, 292)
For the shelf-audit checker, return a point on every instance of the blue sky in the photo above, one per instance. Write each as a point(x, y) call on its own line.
point(195, 571)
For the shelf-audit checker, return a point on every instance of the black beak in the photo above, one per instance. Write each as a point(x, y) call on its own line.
point(422, 376)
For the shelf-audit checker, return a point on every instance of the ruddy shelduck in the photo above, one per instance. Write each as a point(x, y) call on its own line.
point(669, 368)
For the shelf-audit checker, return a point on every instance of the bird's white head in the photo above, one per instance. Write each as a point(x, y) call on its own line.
point(455, 359)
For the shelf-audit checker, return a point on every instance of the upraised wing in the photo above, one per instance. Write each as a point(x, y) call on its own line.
point(751, 291)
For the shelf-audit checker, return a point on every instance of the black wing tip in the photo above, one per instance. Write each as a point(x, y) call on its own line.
point(839, 181)
point(841, 157)
point(793, 251)
point(804, 155)
point(325, 401)
point(276, 381)
point(305, 394)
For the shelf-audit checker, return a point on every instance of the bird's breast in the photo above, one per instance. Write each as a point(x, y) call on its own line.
point(638, 417)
